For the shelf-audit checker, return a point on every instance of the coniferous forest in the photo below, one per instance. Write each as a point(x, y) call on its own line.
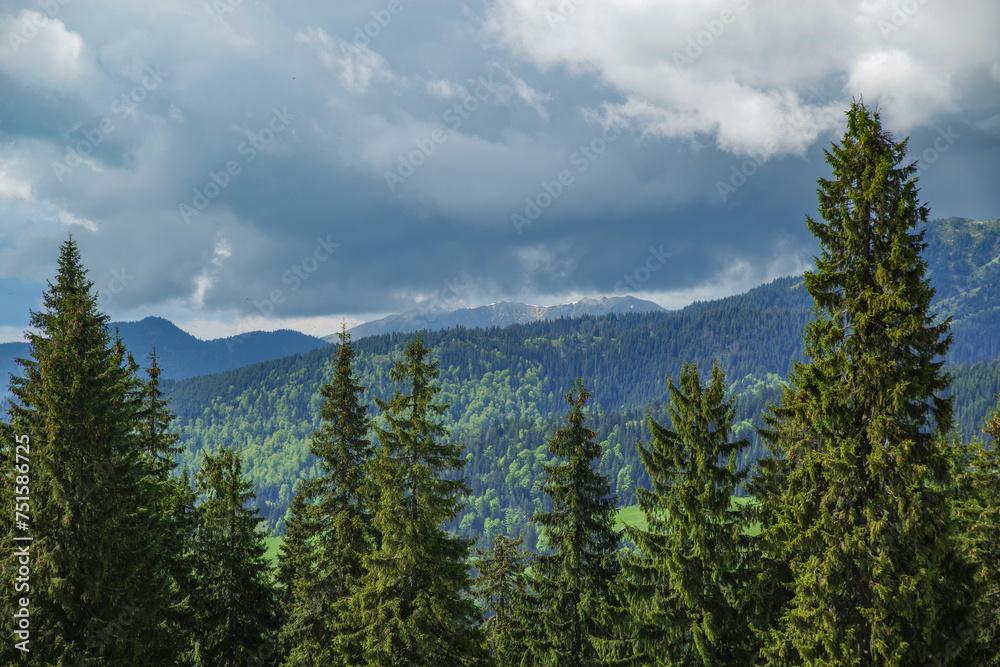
point(817, 477)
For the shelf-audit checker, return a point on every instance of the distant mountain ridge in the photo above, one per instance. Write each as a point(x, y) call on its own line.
point(500, 314)
point(180, 354)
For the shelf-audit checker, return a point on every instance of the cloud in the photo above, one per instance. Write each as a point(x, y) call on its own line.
point(912, 94)
point(737, 73)
point(532, 98)
point(41, 52)
point(357, 66)
point(204, 281)
point(478, 112)
point(991, 125)
point(11, 185)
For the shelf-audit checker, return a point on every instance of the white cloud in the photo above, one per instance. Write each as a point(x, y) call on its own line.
point(445, 90)
point(12, 186)
point(735, 71)
point(68, 219)
point(532, 98)
point(14, 335)
point(912, 93)
point(206, 279)
point(42, 53)
point(357, 66)
point(991, 125)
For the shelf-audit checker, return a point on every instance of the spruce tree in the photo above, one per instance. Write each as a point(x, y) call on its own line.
point(98, 590)
point(862, 511)
point(296, 562)
point(338, 530)
point(234, 603)
point(978, 511)
point(687, 583)
point(503, 587)
point(414, 602)
point(174, 496)
point(575, 583)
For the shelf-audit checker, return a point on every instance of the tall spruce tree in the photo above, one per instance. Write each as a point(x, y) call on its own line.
point(575, 583)
point(174, 496)
point(504, 589)
point(234, 603)
point(414, 602)
point(98, 592)
point(687, 587)
point(862, 511)
point(337, 531)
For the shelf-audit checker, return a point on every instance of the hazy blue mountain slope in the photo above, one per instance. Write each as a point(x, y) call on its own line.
point(963, 258)
point(181, 355)
point(498, 315)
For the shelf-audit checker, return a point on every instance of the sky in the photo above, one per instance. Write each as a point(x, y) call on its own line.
point(239, 165)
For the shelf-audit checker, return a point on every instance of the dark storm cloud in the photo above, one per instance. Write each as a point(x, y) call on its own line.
point(225, 160)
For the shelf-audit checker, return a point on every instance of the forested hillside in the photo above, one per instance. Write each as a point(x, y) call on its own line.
point(963, 258)
point(495, 376)
point(505, 386)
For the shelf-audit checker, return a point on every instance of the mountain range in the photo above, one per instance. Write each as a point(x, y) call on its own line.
point(500, 314)
point(181, 355)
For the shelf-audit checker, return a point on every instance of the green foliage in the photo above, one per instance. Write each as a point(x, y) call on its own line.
point(574, 582)
point(861, 510)
point(978, 512)
point(331, 530)
point(101, 591)
point(413, 603)
point(686, 584)
point(173, 533)
point(304, 633)
point(234, 601)
point(503, 587)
